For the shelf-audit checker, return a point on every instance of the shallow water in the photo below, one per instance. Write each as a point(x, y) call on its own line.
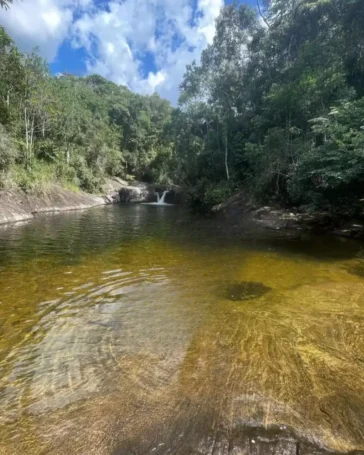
point(142, 329)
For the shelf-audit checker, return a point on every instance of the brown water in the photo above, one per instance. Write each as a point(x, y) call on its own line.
point(144, 330)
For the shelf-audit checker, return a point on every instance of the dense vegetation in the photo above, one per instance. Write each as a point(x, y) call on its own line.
point(72, 130)
point(274, 108)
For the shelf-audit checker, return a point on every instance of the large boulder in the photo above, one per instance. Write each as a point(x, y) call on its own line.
point(111, 189)
point(276, 219)
point(118, 190)
point(139, 192)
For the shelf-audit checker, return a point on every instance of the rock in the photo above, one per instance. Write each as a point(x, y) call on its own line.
point(119, 190)
point(245, 290)
point(113, 185)
point(111, 189)
point(276, 219)
point(351, 229)
point(112, 198)
point(140, 192)
point(175, 195)
point(16, 205)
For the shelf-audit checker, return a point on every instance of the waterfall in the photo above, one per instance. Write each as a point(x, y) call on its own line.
point(161, 199)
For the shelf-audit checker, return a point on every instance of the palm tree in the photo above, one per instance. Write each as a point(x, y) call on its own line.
point(5, 3)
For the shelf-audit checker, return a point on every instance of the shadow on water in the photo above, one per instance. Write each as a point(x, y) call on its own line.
point(72, 234)
point(144, 330)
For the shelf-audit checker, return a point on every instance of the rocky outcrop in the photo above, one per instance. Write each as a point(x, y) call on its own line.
point(139, 192)
point(16, 205)
point(240, 211)
point(279, 219)
point(111, 189)
point(119, 190)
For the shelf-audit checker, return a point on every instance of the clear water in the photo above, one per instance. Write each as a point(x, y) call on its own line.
point(143, 329)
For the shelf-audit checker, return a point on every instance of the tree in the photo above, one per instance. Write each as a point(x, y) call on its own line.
point(266, 91)
point(11, 76)
point(5, 3)
point(218, 79)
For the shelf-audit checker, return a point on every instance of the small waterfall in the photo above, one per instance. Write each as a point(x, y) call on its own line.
point(161, 199)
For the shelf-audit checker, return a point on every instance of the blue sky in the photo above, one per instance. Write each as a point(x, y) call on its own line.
point(144, 44)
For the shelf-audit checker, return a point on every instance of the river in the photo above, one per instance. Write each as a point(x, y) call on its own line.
point(147, 330)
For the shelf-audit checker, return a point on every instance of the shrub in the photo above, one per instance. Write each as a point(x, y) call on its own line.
point(205, 194)
point(8, 152)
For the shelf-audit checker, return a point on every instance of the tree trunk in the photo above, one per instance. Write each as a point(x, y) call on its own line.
point(31, 142)
point(226, 156)
point(67, 154)
point(26, 137)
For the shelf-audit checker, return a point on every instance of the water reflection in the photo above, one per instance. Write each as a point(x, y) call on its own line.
point(119, 337)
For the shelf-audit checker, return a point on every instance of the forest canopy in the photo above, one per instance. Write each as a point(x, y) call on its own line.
point(276, 105)
point(274, 108)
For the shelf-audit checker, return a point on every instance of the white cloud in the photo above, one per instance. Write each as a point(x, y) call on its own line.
point(118, 38)
point(41, 23)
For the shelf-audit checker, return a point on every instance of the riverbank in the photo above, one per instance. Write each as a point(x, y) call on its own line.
point(17, 205)
point(239, 211)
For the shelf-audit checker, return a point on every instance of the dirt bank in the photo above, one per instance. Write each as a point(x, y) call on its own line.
point(16, 205)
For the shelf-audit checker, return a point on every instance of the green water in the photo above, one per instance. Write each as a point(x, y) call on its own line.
point(142, 329)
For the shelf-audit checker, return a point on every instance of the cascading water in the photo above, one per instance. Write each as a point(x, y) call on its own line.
point(160, 199)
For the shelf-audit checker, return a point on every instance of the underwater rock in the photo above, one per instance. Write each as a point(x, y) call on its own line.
point(357, 270)
point(244, 290)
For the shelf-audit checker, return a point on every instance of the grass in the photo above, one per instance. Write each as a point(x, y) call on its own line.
point(39, 180)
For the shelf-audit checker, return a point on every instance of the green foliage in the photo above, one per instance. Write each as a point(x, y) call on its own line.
point(334, 170)
point(84, 129)
point(8, 151)
point(204, 195)
point(278, 105)
point(37, 180)
point(275, 106)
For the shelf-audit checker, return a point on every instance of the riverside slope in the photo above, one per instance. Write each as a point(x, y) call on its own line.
point(16, 205)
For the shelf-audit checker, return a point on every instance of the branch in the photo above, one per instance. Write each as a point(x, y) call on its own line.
point(262, 15)
point(5, 3)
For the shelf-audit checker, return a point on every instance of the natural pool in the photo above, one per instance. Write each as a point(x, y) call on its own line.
point(143, 329)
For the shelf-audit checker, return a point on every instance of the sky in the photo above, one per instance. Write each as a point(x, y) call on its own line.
point(143, 44)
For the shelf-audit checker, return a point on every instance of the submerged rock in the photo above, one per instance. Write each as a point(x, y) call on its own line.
point(244, 290)
point(354, 229)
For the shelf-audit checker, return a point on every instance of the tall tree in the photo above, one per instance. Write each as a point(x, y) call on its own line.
point(218, 78)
